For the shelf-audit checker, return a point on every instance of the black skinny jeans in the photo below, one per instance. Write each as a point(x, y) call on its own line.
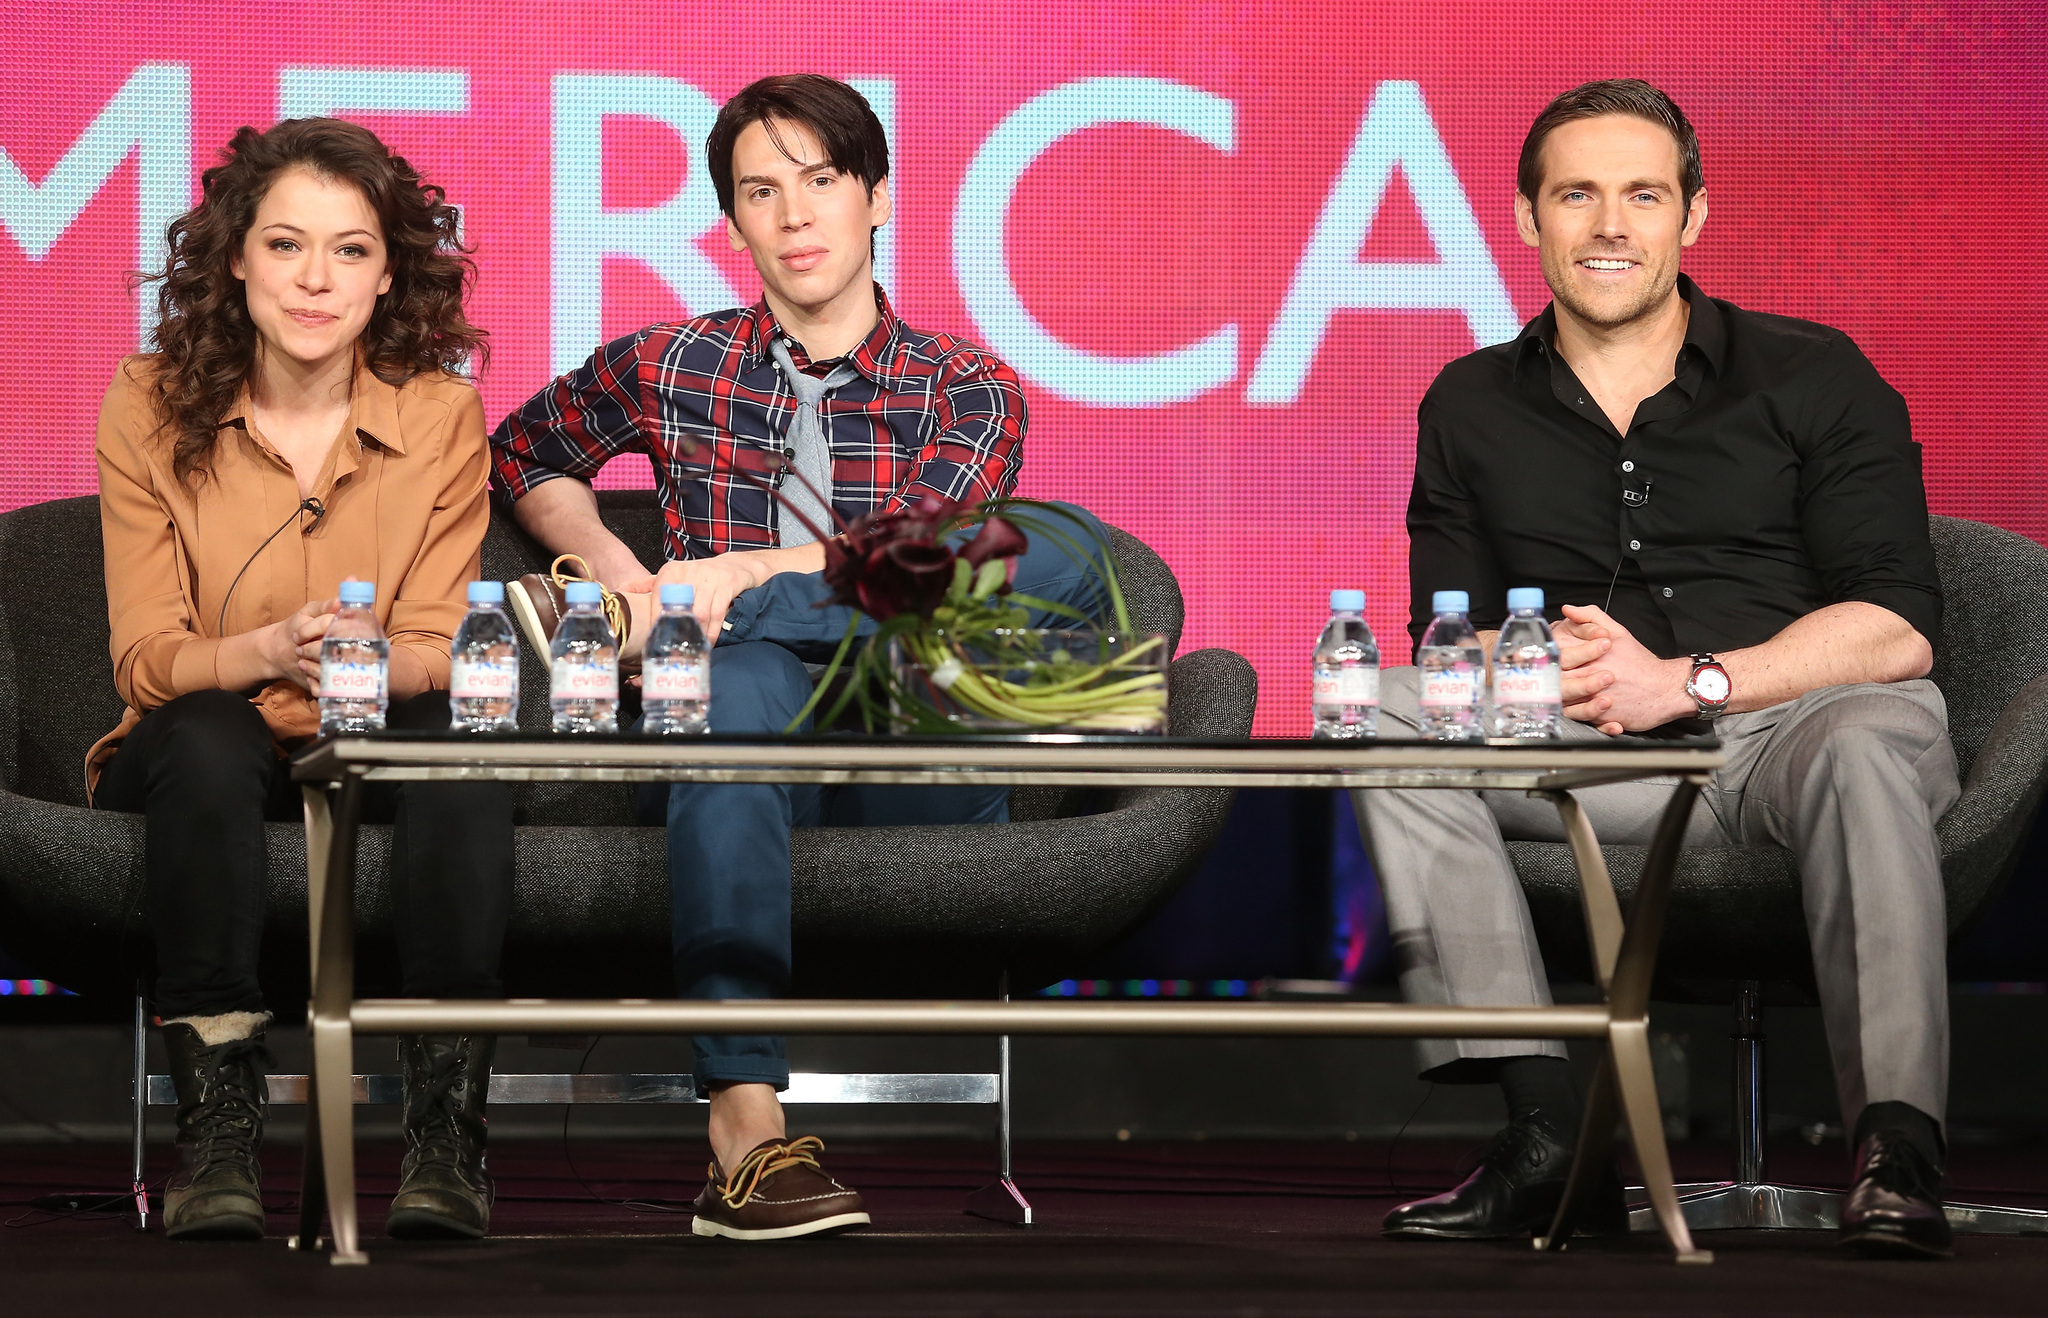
point(203, 770)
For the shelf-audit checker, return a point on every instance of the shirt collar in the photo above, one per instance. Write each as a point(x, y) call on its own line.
point(1706, 331)
point(872, 356)
point(372, 412)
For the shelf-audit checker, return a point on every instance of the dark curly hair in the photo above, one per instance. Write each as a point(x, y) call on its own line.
point(204, 334)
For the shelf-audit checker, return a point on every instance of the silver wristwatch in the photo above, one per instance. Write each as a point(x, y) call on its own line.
point(1709, 686)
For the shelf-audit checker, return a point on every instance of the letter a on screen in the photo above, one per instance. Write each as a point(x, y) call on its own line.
point(1397, 130)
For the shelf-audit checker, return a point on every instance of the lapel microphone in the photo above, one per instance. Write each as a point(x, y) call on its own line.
point(1633, 498)
point(313, 506)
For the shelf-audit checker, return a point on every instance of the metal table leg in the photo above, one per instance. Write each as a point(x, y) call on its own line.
point(1000, 1200)
point(330, 872)
point(1626, 1081)
point(138, 1188)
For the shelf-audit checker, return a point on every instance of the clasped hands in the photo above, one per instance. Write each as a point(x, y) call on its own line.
point(291, 648)
point(1611, 680)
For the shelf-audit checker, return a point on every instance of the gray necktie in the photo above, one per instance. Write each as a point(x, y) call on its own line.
point(810, 454)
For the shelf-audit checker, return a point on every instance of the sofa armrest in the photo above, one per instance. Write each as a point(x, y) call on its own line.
point(1982, 834)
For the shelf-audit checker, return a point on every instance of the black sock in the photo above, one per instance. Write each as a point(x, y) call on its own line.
point(1542, 1087)
point(1908, 1123)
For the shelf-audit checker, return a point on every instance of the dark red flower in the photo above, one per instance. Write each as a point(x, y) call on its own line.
point(907, 576)
point(899, 562)
point(891, 564)
point(996, 539)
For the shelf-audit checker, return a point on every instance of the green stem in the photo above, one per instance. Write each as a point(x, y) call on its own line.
point(976, 689)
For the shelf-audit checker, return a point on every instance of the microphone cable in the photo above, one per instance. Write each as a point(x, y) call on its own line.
point(313, 506)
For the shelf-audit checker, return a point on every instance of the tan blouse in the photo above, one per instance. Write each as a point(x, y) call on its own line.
point(406, 493)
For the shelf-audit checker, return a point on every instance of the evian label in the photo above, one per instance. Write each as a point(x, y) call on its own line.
point(1347, 686)
point(675, 679)
point(585, 681)
point(470, 679)
point(1527, 686)
point(347, 681)
point(1450, 688)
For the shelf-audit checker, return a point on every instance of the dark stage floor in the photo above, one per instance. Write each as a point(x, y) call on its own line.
point(1187, 1228)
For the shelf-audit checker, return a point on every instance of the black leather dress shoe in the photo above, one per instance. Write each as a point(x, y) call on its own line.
point(1894, 1208)
point(1513, 1193)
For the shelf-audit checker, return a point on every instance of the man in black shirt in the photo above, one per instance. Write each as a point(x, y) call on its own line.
point(1728, 507)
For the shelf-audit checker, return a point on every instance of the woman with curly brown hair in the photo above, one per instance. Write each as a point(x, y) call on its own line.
point(301, 422)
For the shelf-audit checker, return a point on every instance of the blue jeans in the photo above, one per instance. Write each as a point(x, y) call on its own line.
point(728, 844)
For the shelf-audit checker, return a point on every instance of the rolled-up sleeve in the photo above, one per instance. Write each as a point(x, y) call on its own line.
point(1863, 506)
point(156, 652)
point(1447, 545)
point(976, 450)
point(575, 425)
point(432, 597)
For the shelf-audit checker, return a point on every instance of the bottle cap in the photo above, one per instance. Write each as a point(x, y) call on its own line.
point(1450, 601)
point(583, 592)
point(678, 595)
point(486, 592)
point(358, 592)
point(1347, 601)
point(1526, 597)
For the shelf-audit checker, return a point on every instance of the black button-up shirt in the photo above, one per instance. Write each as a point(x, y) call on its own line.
point(1776, 475)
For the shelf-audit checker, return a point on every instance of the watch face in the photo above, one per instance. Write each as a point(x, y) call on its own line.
point(1710, 685)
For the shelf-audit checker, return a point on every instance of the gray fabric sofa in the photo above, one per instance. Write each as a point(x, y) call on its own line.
point(886, 910)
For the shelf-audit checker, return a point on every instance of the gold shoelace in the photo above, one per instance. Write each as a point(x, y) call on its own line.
point(615, 611)
point(763, 1163)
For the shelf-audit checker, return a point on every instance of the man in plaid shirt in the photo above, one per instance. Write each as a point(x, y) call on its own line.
point(878, 416)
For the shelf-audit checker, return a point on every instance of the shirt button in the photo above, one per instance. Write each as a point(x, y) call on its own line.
point(789, 452)
point(1635, 544)
point(1628, 466)
point(1667, 592)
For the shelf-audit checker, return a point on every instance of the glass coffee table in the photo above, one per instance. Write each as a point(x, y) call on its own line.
point(332, 774)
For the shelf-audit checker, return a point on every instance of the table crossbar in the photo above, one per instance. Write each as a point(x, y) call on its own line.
point(834, 1016)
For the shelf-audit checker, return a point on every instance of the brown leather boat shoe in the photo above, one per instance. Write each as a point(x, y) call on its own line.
point(539, 601)
point(777, 1192)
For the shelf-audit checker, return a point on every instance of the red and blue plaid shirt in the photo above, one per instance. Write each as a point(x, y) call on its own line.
point(927, 414)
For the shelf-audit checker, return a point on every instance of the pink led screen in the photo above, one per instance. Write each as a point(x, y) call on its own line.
point(1227, 246)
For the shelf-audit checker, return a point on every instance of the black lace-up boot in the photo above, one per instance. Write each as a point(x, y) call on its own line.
point(444, 1189)
point(217, 1191)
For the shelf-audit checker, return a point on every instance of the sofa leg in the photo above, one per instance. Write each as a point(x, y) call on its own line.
point(137, 1187)
point(1000, 1200)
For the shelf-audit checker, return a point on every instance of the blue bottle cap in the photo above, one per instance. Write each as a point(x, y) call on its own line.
point(358, 592)
point(1347, 601)
point(1450, 601)
point(486, 592)
point(1526, 597)
point(678, 595)
point(583, 592)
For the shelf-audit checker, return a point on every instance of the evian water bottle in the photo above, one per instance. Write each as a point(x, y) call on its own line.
point(355, 663)
point(1528, 699)
point(1346, 681)
point(584, 664)
point(675, 682)
point(1453, 672)
point(483, 665)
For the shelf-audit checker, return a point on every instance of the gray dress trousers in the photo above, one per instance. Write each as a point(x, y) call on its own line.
point(1850, 779)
